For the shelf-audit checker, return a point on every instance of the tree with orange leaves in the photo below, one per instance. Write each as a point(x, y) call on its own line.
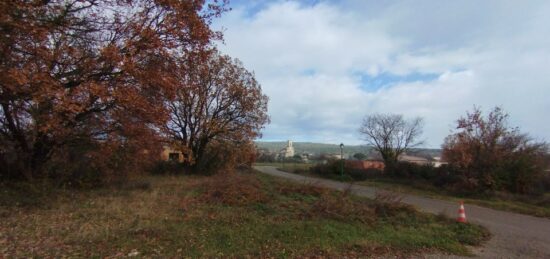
point(90, 71)
point(219, 103)
point(490, 155)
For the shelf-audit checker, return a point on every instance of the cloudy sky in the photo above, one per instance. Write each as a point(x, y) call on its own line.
point(327, 64)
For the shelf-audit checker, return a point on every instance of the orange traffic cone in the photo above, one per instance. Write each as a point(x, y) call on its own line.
point(461, 213)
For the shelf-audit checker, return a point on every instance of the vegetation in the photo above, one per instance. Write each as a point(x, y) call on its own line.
point(359, 156)
point(218, 103)
point(89, 96)
point(439, 183)
point(488, 155)
point(538, 206)
point(391, 135)
point(314, 148)
point(84, 88)
point(223, 216)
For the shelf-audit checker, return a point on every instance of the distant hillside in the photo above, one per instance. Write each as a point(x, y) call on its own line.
point(321, 148)
point(309, 147)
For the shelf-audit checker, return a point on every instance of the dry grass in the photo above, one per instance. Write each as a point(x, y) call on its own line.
point(241, 215)
point(232, 189)
point(304, 189)
point(342, 207)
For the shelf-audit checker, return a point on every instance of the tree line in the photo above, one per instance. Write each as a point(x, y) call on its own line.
point(95, 88)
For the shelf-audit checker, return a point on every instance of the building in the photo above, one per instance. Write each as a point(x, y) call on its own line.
point(437, 162)
point(365, 164)
point(287, 151)
point(171, 154)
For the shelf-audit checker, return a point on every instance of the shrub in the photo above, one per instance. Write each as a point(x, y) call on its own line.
point(341, 207)
point(88, 164)
point(545, 182)
point(492, 156)
point(332, 169)
point(411, 170)
point(304, 189)
point(223, 156)
point(328, 170)
point(388, 204)
point(356, 174)
point(232, 189)
point(167, 168)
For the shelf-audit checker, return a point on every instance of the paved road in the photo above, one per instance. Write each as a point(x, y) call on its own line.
point(514, 235)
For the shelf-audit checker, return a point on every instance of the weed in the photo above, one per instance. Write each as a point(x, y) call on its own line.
point(342, 207)
point(232, 189)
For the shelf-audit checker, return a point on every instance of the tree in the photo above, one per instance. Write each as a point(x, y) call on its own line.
point(359, 156)
point(72, 72)
point(218, 100)
point(491, 155)
point(391, 135)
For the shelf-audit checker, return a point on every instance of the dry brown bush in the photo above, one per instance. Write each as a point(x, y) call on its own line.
point(341, 206)
point(388, 204)
point(232, 189)
point(304, 189)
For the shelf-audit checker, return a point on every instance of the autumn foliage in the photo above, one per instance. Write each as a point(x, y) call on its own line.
point(490, 156)
point(218, 110)
point(85, 81)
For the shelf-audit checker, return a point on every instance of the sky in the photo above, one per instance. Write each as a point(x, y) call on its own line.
point(327, 64)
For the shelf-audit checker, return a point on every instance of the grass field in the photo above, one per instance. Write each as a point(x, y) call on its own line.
point(245, 215)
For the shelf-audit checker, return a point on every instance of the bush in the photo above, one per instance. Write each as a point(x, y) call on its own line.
point(89, 165)
point(167, 168)
point(329, 170)
point(332, 169)
point(545, 182)
point(223, 156)
point(232, 189)
point(341, 207)
point(492, 156)
point(406, 169)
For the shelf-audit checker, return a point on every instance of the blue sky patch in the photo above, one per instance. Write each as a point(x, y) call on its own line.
point(370, 82)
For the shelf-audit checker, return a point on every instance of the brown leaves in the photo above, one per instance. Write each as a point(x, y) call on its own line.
point(232, 189)
point(69, 70)
point(217, 101)
point(492, 155)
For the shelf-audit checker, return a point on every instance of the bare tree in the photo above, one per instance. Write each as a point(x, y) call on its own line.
point(391, 135)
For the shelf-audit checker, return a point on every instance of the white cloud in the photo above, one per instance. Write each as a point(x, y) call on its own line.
point(307, 58)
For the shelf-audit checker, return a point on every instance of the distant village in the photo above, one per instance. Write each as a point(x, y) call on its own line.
point(355, 159)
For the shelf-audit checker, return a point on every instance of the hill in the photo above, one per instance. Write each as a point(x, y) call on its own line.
point(323, 148)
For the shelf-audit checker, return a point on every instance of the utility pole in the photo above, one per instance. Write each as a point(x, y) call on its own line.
point(341, 159)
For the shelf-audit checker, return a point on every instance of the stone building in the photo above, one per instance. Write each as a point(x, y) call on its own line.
point(171, 154)
point(287, 151)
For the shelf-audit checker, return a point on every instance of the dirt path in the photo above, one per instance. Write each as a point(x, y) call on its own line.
point(514, 235)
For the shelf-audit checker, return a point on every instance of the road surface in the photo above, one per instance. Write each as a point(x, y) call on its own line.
point(514, 235)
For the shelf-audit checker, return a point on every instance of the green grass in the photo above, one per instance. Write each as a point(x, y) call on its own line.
point(531, 205)
point(246, 215)
point(538, 206)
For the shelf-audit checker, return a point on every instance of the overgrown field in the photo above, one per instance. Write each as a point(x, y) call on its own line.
point(222, 216)
point(538, 206)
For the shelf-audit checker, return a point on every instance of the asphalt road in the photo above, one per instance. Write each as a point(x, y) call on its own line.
point(514, 235)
